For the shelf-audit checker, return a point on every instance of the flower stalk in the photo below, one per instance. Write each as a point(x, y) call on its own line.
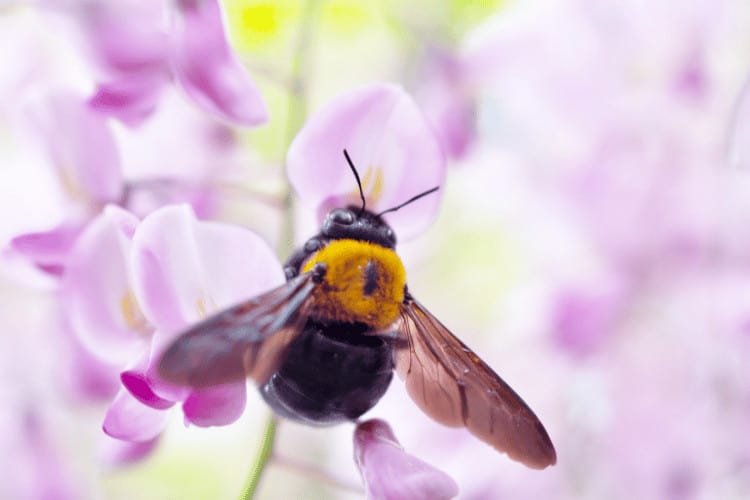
point(296, 113)
point(261, 460)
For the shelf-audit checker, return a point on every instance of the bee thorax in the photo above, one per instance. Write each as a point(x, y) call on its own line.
point(363, 282)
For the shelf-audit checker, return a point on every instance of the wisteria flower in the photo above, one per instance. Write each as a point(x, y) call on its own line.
point(739, 137)
point(132, 285)
point(629, 159)
point(392, 146)
point(446, 96)
point(390, 473)
point(91, 167)
point(82, 153)
point(584, 317)
point(144, 44)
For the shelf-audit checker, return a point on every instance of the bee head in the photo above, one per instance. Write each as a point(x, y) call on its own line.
point(361, 224)
point(357, 224)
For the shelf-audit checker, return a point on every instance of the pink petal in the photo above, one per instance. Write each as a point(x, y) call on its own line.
point(48, 250)
point(390, 473)
point(237, 263)
point(160, 341)
point(219, 405)
point(185, 269)
point(131, 99)
point(447, 102)
point(84, 375)
point(390, 142)
point(208, 70)
point(584, 319)
point(136, 381)
point(211, 151)
point(81, 147)
point(164, 262)
point(96, 289)
point(128, 38)
point(116, 452)
point(130, 420)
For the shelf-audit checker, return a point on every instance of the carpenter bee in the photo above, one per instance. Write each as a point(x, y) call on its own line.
point(323, 347)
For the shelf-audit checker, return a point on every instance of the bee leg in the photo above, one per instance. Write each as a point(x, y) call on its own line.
point(294, 263)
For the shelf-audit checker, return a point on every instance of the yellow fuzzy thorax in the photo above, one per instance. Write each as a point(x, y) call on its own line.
point(364, 282)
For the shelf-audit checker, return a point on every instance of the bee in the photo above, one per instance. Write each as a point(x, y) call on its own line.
point(323, 347)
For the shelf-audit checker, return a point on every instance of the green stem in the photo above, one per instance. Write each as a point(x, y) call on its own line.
point(261, 461)
point(296, 113)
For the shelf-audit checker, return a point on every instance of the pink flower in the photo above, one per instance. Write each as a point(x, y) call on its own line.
point(83, 156)
point(132, 286)
point(628, 155)
point(144, 44)
point(38, 468)
point(739, 139)
point(79, 145)
point(390, 142)
point(582, 319)
point(91, 169)
point(390, 473)
point(446, 96)
point(48, 250)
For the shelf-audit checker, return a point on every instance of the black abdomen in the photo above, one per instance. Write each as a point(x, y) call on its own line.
point(333, 372)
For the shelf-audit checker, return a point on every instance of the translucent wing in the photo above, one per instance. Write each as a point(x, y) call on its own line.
point(456, 388)
point(248, 339)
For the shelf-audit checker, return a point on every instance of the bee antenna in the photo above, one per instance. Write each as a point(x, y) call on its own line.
point(414, 198)
point(359, 183)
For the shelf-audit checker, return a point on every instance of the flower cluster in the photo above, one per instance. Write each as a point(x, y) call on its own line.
point(128, 268)
point(595, 222)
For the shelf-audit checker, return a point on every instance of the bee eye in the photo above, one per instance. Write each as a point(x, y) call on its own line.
point(390, 234)
point(342, 216)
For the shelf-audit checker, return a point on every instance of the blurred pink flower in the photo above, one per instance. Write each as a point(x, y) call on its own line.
point(80, 146)
point(35, 465)
point(92, 169)
point(81, 376)
point(47, 250)
point(83, 155)
point(132, 285)
point(582, 319)
point(144, 44)
point(390, 473)
point(115, 452)
point(632, 156)
point(390, 142)
point(739, 137)
point(446, 96)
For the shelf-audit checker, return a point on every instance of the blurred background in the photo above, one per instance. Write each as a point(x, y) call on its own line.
point(592, 243)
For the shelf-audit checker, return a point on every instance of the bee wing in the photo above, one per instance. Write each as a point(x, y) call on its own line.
point(456, 388)
point(248, 339)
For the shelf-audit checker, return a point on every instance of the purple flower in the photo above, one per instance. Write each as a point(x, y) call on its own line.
point(739, 140)
point(82, 153)
point(38, 468)
point(206, 68)
point(582, 319)
point(447, 99)
point(80, 146)
point(390, 473)
point(628, 161)
point(91, 169)
point(142, 45)
point(48, 250)
point(131, 286)
point(390, 142)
